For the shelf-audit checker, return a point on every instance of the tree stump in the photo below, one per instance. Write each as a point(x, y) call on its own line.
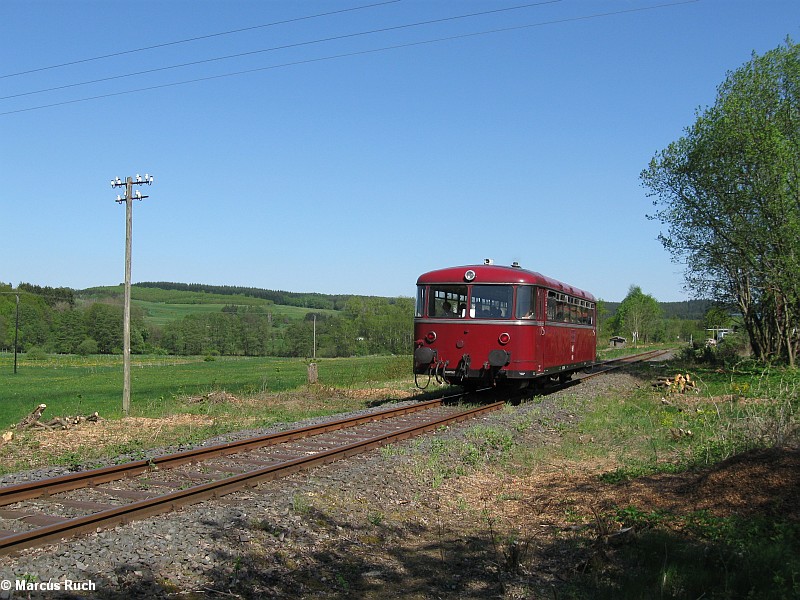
point(313, 375)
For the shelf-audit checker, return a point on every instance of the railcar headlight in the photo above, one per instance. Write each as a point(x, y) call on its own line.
point(504, 338)
point(430, 337)
point(469, 275)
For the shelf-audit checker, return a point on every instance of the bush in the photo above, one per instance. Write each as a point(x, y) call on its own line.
point(87, 347)
point(728, 352)
point(732, 349)
point(35, 353)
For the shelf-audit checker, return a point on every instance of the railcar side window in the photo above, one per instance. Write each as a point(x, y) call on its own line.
point(491, 301)
point(526, 302)
point(555, 310)
point(447, 301)
point(563, 308)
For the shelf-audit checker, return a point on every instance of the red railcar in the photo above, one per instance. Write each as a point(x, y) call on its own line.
point(491, 324)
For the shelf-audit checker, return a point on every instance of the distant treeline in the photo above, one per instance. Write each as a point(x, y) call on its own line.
point(253, 322)
point(89, 322)
point(303, 300)
point(52, 296)
point(692, 310)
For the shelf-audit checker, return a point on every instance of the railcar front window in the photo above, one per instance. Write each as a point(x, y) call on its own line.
point(447, 301)
point(491, 301)
point(420, 305)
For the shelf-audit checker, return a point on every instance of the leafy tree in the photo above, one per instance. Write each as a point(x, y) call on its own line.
point(639, 315)
point(299, 339)
point(69, 330)
point(52, 296)
point(34, 322)
point(717, 318)
point(6, 340)
point(104, 325)
point(729, 193)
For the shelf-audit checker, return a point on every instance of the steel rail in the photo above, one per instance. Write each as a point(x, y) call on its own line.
point(72, 481)
point(610, 365)
point(171, 501)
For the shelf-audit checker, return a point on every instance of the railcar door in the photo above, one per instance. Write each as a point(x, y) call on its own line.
point(527, 352)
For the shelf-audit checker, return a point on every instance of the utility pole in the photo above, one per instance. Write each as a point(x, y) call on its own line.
point(126, 320)
point(16, 336)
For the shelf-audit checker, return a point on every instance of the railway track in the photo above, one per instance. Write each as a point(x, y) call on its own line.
point(618, 363)
point(45, 511)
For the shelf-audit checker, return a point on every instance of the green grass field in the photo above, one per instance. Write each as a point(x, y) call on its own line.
point(163, 306)
point(161, 313)
point(71, 385)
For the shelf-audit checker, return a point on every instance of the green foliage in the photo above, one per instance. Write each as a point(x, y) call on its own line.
point(87, 346)
point(638, 316)
point(35, 354)
point(728, 191)
point(193, 320)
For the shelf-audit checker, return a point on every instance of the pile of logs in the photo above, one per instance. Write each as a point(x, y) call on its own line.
point(680, 383)
point(34, 420)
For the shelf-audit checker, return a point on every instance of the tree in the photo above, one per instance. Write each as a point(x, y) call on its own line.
point(729, 193)
point(639, 315)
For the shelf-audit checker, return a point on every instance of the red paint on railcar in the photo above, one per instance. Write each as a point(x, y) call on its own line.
point(488, 324)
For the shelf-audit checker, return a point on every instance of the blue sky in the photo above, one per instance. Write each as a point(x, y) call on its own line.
point(354, 174)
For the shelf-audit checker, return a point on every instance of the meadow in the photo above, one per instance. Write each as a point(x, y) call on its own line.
point(161, 313)
point(72, 385)
point(162, 306)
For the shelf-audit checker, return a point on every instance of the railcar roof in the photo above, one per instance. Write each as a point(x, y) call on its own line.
point(499, 274)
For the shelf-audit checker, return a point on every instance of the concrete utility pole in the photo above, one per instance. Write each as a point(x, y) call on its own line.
point(126, 327)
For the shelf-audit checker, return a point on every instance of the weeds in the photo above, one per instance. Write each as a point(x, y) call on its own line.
point(687, 557)
point(301, 504)
point(510, 550)
point(452, 457)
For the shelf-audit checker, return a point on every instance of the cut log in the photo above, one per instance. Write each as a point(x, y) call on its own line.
point(35, 420)
point(680, 383)
point(32, 418)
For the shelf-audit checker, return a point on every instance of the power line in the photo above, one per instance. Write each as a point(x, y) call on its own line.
point(352, 54)
point(197, 38)
point(283, 47)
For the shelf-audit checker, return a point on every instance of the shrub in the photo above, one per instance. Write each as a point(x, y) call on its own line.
point(35, 353)
point(87, 347)
point(732, 349)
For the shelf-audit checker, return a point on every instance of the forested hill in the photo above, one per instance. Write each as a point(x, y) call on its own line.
point(300, 299)
point(689, 309)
